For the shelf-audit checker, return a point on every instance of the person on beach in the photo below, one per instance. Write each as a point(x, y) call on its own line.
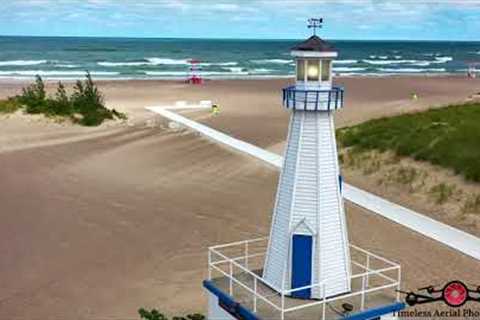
point(215, 110)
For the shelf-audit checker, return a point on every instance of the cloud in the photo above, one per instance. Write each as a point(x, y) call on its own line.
point(278, 18)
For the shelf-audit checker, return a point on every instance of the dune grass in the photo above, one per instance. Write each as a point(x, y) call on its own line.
point(9, 106)
point(84, 106)
point(154, 314)
point(448, 137)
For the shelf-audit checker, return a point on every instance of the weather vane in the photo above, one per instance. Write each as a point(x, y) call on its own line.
point(315, 23)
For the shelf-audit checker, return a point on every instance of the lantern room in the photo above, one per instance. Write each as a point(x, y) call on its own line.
point(313, 89)
point(313, 59)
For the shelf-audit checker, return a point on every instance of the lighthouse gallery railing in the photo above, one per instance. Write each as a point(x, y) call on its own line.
point(313, 99)
point(225, 259)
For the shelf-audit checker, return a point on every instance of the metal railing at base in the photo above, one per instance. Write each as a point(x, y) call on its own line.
point(275, 297)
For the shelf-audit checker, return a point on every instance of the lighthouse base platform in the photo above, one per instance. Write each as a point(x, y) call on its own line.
point(236, 289)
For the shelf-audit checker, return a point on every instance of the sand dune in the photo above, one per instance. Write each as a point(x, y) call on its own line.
point(112, 219)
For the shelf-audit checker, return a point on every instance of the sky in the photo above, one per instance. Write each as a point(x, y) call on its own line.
point(251, 19)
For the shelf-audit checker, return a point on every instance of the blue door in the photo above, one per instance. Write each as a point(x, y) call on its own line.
point(301, 265)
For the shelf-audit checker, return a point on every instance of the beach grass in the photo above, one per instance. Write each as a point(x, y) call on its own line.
point(9, 106)
point(85, 106)
point(448, 137)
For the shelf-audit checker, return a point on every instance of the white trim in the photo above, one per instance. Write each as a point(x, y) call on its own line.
point(445, 234)
point(314, 54)
point(305, 223)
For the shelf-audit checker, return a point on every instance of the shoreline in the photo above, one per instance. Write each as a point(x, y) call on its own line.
point(16, 80)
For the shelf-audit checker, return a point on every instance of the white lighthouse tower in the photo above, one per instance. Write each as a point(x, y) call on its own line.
point(308, 239)
point(304, 269)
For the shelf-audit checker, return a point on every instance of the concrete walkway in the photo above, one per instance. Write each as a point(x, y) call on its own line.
point(445, 234)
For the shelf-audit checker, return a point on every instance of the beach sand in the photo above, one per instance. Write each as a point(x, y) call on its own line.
point(97, 223)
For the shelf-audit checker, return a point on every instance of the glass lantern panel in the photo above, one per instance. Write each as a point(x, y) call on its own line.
point(327, 65)
point(313, 70)
point(300, 70)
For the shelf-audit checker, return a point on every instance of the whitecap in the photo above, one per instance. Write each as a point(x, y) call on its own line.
point(442, 59)
point(185, 74)
point(22, 62)
point(411, 70)
point(234, 69)
point(158, 61)
point(347, 61)
point(422, 63)
point(387, 62)
point(123, 64)
point(54, 73)
point(346, 69)
point(277, 61)
point(221, 64)
point(261, 70)
point(69, 66)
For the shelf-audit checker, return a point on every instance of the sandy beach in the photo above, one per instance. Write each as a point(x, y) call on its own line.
point(98, 222)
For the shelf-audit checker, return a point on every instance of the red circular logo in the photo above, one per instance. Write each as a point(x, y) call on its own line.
point(455, 294)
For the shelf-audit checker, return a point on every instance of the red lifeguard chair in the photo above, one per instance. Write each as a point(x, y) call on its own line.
point(195, 68)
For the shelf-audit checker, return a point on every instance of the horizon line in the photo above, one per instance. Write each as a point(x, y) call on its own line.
point(221, 38)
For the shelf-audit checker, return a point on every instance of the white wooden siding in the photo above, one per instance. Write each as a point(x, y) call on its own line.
point(308, 191)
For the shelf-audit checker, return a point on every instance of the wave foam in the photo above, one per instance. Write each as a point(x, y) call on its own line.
point(275, 61)
point(261, 70)
point(185, 74)
point(22, 62)
point(442, 59)
point(348, 61)
point(69, 66)
point(122, 64)
point(411, 70)
point(221, 64)
point(387, 62)
point(234, 69)
point(158, 61)
point(347, 69)
point(146, 62)
point(55, 73)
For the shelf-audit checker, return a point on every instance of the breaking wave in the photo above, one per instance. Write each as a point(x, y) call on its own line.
point(348, 61)
point(411, 70)
point(22, 62)
point(275, 61)
point(54, 73)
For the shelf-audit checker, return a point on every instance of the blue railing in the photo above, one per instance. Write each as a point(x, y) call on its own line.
point(313, 100)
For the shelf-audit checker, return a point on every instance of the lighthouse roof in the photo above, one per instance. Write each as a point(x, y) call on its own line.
point(314, 43)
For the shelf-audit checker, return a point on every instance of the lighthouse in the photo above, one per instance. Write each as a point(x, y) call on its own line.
point(306, 268)
point(308, 238)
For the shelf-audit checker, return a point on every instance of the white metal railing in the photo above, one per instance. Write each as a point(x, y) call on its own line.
point(217, 257)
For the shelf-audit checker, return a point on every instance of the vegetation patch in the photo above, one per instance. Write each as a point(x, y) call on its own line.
point(448, 137)
point(9, 106)
point(86, 106)
point(442, 192)
point(156, 315)
point(472, 204)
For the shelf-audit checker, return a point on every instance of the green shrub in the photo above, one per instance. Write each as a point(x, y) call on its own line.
point(61, 105)
point(442, 192)
point(9, 106)
point(472, 204)
point(155, 315)
point(86, 106)
point(88, 101)
point(34, 97)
